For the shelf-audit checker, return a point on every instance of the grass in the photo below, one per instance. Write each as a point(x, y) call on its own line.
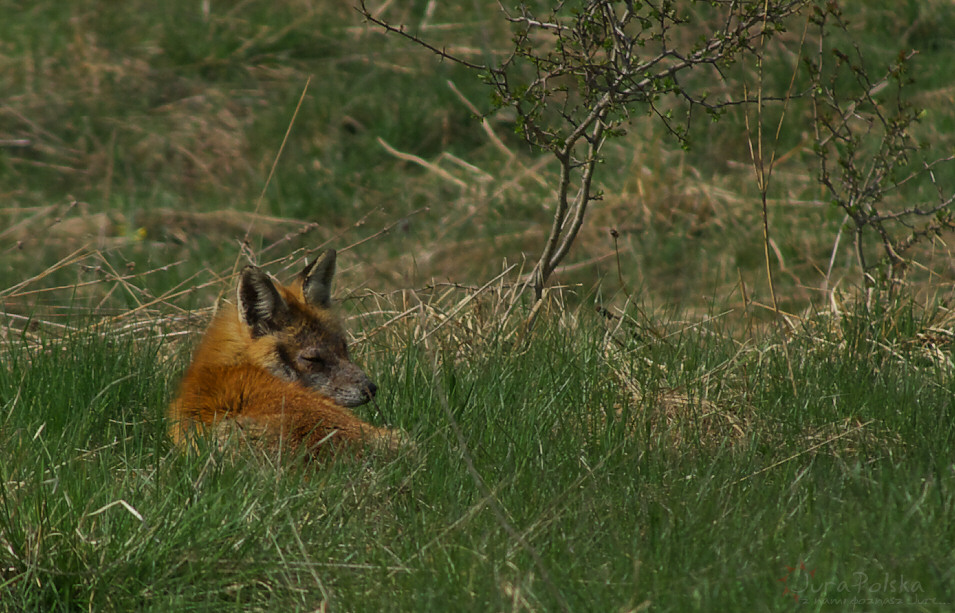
point(674, 450)
point(619, 498)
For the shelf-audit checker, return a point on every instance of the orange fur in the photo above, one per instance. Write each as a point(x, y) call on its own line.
point(268, 367)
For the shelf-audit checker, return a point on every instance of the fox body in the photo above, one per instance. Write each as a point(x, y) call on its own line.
point(274, 369)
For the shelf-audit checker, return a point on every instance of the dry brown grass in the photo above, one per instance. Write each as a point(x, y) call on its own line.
point(710, 415)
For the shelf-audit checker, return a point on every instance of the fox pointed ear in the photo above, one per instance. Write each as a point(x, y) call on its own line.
point(317, 280)
point(260, 304)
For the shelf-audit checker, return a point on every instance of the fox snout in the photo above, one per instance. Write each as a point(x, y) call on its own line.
point(349, 386)
point(371, 390)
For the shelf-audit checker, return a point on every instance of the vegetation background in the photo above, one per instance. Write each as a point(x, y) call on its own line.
point(673, 449)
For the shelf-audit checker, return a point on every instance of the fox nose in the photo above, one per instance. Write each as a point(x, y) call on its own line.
point(372, 389)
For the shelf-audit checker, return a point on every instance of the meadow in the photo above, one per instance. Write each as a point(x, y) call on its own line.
point(664, 438)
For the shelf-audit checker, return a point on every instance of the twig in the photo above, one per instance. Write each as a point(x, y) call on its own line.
point(72, 258)
point(275, 163)
point(803, 452)
point(409, 157)
point(485, 124)
point(467, 300)
point(400, 31)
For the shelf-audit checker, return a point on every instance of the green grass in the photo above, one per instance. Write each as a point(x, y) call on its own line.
point(616, 504)
point(686, 465)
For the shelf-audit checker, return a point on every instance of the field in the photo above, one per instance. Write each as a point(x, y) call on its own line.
point(672, 433)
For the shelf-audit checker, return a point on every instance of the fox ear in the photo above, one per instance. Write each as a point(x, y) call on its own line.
point(317, 280)
point(260, 304)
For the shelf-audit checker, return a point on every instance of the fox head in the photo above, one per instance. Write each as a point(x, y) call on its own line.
point(294, 335)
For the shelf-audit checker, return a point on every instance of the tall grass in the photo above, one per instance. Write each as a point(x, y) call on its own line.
point(694, 486)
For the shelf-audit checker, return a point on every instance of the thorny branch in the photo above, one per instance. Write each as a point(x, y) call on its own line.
point(867, 154)
point(577, 75)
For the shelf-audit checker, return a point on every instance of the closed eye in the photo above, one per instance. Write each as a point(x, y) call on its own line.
point(314, 359)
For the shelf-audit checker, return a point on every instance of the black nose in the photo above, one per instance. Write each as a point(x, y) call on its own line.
point(372, 389)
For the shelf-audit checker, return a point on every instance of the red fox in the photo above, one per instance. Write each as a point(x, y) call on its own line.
point(273, 369)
